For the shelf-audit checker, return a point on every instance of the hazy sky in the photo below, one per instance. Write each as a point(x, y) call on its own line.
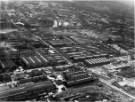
point(129, 2)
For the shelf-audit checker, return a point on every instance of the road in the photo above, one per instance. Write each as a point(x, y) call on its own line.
point(118, 89)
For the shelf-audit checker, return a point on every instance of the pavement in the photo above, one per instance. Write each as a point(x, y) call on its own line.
point(4, 31)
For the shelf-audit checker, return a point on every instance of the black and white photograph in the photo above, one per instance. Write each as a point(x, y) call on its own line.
point(67, 51)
